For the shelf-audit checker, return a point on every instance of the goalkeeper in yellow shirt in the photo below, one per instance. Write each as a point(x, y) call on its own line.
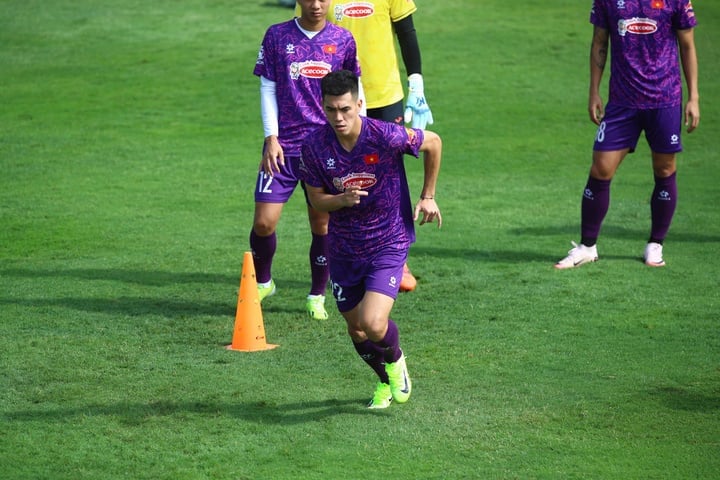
point(375, 24)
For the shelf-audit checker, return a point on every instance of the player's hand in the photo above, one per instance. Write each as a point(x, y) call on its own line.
point(596, 109)
point(273, 156)
point(417, 110)
point(692, 115)
point(351, 196)
point(430, 211)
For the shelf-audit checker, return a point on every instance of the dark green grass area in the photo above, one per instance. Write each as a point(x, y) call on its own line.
point(129, 139)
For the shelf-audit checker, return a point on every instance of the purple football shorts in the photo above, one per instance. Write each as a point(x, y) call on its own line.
point(279, 187)
point(621, 128)
point(352, 278)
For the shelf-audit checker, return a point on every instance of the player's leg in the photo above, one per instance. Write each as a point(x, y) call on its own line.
point(365, 292)
point(394, 114)
point(376, 338)
point(663, 202)
point(271, 194)
point(596, 195)
point(373, 355)
point(318, 255)
point(349, 290)
point(616, 136)
point(374, 318)
point(263, 243)
point(664, 196)
point(663, 132)
point(593, 207)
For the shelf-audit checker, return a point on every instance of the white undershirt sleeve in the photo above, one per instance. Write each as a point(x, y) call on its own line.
point(268, 107)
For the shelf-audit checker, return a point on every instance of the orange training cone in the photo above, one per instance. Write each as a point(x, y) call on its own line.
point(249, 334)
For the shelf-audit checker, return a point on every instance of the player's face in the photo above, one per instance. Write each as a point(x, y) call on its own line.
point(342, 113)
point(313, 11)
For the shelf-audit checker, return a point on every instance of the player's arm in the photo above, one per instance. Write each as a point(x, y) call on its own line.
point(417, 111)
point(272, 153)
point(598, 59)
point(688, 59)
point(327, 202)
point(432, 153)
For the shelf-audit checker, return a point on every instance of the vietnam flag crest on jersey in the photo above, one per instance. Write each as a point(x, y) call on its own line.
point(371, 159)
point(658, 4)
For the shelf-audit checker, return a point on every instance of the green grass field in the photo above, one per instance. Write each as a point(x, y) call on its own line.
point(129, 140)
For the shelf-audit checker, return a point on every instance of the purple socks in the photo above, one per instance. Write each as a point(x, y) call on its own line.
point(662, 207)
point(595, 204)
point(263, 250)
point(319, 271)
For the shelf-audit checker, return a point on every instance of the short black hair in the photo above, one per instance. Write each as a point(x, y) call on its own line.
point(339, 83)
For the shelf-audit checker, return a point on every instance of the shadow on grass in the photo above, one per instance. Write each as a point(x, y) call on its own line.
point(503, 256)
point(257, 412)
point(525, 236)
point(613, 231)
point(679, 398)
point(139, 277)
point(143, 277)
point(138, 306)
point(130, 306)
point(160, 305)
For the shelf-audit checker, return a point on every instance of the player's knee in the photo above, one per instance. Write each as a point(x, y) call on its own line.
point(263, 227)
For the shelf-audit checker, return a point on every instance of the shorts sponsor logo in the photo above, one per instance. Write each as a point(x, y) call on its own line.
point(637, 26)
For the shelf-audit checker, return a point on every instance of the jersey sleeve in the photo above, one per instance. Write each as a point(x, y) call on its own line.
point(264, 66)
point(400, 9)
point(685, 16)
point(598, 14)
point(306, 170)
point(352, 61)
point(415, 139)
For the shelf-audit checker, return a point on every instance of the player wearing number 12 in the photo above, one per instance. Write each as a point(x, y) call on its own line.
point(645, 93)
point(293, 57)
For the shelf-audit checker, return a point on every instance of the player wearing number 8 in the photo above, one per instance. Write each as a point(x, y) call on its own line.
point(645, 94)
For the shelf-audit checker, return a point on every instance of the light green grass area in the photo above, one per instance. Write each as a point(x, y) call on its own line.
point(129, 140)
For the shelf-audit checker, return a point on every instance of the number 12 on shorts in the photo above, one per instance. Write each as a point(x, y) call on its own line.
point(264, 182)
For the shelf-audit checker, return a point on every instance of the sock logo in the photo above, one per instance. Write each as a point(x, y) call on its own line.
point(664, 195)
point(321, 260)
point(589, 194)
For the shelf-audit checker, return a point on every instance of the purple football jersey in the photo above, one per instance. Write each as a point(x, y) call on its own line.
point(296, 64)
point(645, 70)
point(383, 219)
